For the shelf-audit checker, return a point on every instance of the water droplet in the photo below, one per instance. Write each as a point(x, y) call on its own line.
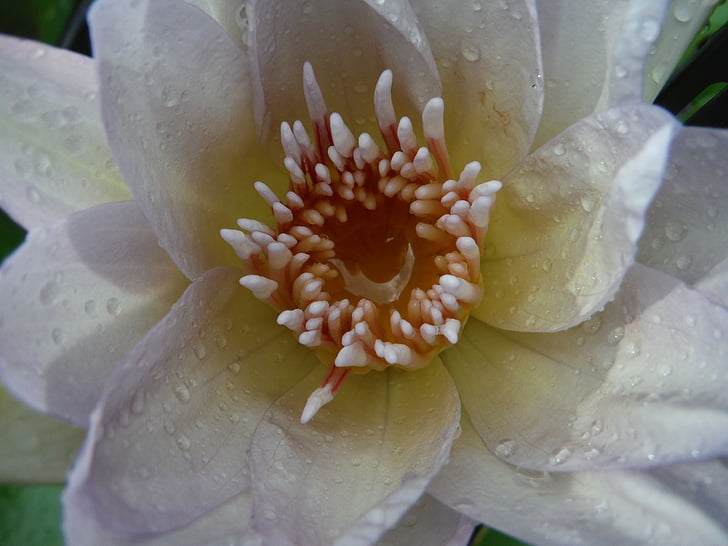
point(632, 350)
point(50, 292)
point(685, 10)
point(138, 401)
point(560, 456)
point(622, 127)
point(200, 350)
point(33, 194)
point(620, 71)
point(616, 335)
point(183, 442)
point(234, 367)
point(650, 30)
point(113, 306)
point(591, 454)
point(683, 262)
point(469, 50)
point(57, 335)
point(182, 393)
point(37, 53)
point(675, 231)
point(169, 427)
point(589, 202)
point(506, 448)
point(592, 325)
point(559, 149)
point(90, 307)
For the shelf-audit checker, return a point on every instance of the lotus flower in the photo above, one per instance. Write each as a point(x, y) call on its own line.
point(504, 274)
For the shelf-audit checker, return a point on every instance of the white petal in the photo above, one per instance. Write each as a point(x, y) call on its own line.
point(489, 61)
point(350, 474)
point(54, 159)
point(566, 224)
point(229, 14)
point(169, 438)
point(35, 448)
point(682, 22)
point(430, 523)
point(73, 299)
point(641, 384)
point(176, 105)
point(594, 56)
point(224, 525)
point(348, 46)
point(687, 224)
point(682, 504)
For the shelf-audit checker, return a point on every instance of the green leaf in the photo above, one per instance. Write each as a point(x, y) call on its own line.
point(29, 516)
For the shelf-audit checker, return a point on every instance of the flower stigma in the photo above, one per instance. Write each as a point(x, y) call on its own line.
point(374, 260)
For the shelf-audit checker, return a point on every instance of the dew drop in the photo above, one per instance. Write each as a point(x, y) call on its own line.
point(675, 231)
point(138, 401)
point(592, 325)
point(560, 456)
point(199, 350)
point(33, 194)
point(559, 149)
point(470, 51)
point(183, 442)
point(589, 202)
point(685, 10)
point(169, 427)
point(50, 292)
point(616, 335)
point(58, 336)
point(113, 306)
point(90, 307)
point(182, 393)
point(234, 367)
point(591, 454)
point(506, 448)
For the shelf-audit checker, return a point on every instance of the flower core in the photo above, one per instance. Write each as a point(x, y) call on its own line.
point(375, 256)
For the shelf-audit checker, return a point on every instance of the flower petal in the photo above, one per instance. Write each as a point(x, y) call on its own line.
point(566, 224)
point(169, 437)
point(348, 475)
point(682, 22)
point(489, 61)
point(638, 385)
point(224, 525)
point(73, 299)
point(35, 448)
point(686, 227)
point(349, 45)
point(682, 504)
point(226, 13)
point(594, 56)
point(175, 101)
point(54, 159)
point(430, 523)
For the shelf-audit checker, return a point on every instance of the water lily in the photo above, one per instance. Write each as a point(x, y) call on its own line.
point(519, 321)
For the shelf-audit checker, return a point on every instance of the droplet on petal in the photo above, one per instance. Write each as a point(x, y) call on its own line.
point(374, 260)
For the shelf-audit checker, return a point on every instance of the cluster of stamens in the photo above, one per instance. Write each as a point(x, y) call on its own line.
point(374, 260)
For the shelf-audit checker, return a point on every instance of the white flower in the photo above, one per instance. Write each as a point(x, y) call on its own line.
point(591, 377)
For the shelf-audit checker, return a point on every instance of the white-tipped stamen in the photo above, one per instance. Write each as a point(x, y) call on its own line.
point(344, 140)
point(403, 206)
point(291, 319)
point(261, 287)
point(352, 355)
point(314, 97)
point(317, 399)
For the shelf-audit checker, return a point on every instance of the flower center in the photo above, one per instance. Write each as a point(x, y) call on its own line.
point(375, 255)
